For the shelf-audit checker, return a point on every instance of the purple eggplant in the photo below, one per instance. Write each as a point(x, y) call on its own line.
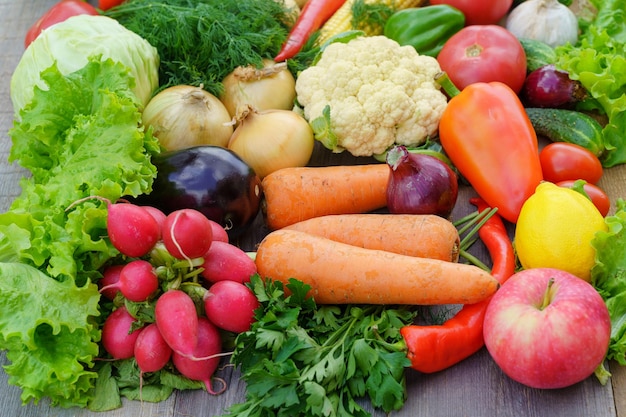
point(210, 179)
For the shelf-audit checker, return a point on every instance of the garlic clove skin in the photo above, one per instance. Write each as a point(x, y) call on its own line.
point(544, 20)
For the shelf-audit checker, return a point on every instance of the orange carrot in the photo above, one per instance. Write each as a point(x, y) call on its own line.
point(422, 235)
point(344, 274)
point(300, 193)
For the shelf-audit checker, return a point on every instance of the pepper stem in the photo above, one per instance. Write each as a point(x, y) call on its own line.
point(443, 79)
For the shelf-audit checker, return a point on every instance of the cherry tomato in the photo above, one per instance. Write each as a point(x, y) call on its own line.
point(598, 197)
point(484, 53)
point(562, 161)
point(479, 12)
point(60, 12)
point(107, 4)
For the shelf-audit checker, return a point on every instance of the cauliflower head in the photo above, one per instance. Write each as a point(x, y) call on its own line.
point(370, 93)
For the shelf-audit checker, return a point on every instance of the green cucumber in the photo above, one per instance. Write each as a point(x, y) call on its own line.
point(560, 125)
point(538, 53)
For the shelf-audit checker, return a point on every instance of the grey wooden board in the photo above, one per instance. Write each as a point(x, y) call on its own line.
point(473, 388)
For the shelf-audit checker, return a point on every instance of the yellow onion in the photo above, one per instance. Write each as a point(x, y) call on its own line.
point(272, 139)
point(270, 87)
point(183, 116)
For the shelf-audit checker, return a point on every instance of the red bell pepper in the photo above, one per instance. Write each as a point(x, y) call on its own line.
point(58, 13)
point(489, 138)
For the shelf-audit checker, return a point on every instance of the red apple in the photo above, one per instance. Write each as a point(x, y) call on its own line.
point(547, 328)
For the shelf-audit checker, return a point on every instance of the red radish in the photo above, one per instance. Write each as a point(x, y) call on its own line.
point(151, 350)
point(225, 261)
point(187, 234)
point(138, 280)
point(177, 319)
point(158, 215)
point(209, 347)
point(230, 306)
point(117, 338)
point(109, 283)
point(132, 230)
point(219, 233)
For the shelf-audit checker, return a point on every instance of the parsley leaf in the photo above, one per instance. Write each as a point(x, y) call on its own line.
point(302, 359)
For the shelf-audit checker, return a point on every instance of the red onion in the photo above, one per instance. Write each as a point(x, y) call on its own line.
point(548, 86)
point(420, 184)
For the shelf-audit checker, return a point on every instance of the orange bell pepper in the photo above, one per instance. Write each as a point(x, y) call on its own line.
point(490, 139)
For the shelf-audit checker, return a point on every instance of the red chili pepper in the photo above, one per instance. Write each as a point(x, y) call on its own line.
point(311, 18)
point(434, 348)
point(58, 13)
point(107, 4)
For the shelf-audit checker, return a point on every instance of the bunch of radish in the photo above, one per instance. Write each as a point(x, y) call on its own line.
point(183, 267)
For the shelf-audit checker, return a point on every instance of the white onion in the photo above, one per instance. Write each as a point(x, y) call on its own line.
point(272, 139)
point(267, 88)
point(183, 116)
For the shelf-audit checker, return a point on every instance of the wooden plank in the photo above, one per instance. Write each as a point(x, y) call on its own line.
point(475, 387)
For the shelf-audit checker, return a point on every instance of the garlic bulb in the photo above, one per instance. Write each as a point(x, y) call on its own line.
point(544, 20)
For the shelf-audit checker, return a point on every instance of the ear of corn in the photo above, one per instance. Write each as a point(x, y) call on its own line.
point(372, 22)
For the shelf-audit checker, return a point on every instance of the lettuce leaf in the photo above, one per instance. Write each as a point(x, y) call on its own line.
point(49, 331)
point(609, 277)
point(81, 137)
point(598, 61)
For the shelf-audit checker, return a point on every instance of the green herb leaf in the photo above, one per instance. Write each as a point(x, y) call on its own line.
point(200, 41)
point(302, 359)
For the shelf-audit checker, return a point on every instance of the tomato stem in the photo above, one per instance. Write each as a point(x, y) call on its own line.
point(473, 51)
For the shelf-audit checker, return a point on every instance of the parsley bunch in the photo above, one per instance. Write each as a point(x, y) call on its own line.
point(300, 359)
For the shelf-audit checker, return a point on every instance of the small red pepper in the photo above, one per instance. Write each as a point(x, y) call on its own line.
point(434, 348)
point(107, 4)
point(60, 12)
point(487, 134)
point(313, 15)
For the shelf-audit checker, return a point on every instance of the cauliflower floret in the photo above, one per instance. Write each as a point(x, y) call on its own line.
point(370, 93)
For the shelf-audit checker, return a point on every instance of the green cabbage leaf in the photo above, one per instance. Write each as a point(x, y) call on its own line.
point(72, 42)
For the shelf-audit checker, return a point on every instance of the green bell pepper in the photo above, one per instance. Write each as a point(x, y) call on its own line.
point(425, 28)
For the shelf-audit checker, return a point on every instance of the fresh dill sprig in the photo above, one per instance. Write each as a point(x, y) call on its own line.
point(201, 41)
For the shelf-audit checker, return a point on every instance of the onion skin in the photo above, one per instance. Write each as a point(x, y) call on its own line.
point(420, 184)
point(184, 116)
point(272, 139)
point(550, 87)
point(268, 88)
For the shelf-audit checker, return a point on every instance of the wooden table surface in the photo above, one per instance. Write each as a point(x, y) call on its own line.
point(475, 387)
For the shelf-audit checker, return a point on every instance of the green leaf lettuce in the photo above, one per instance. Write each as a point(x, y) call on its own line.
point(79, 137)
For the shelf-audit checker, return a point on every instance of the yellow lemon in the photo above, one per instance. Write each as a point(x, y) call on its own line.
point(555, 228)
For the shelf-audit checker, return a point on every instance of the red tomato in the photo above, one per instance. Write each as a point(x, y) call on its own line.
point(598, 197)
point(58, 13)
point(479, 12)
point(107, 4)
point(561, 161)
point(484, 53)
